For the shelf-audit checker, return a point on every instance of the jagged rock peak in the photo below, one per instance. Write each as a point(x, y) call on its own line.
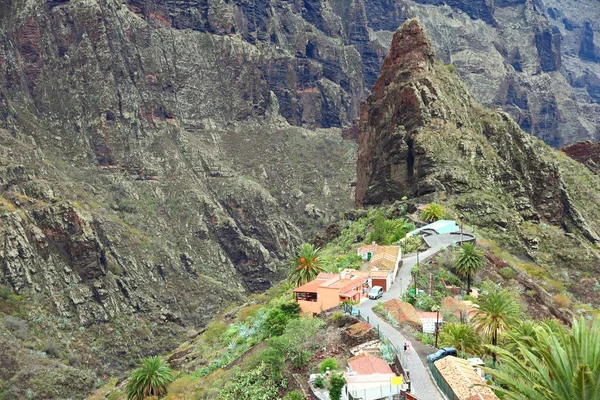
point(411, 50)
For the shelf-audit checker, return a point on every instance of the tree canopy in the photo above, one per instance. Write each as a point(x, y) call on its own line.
point(555, 363)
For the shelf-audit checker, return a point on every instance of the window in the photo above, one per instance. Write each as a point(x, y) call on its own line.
point(306, 296)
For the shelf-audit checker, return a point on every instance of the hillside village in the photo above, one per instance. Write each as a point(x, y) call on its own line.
point(399, 324)
point(375, 287)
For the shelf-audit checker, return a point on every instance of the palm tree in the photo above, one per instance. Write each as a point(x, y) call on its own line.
point(151, 378)
point(496, 313)
point(305, 265)
point(468, 260)
point(559, 365)
point(433, 212)
point(461, 337)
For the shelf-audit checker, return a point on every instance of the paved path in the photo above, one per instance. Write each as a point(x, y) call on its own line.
point(423, 386)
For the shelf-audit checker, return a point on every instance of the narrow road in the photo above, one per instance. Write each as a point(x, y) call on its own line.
point(423, 387)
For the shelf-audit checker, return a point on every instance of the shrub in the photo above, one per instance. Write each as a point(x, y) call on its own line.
point(151, 378)
point(275, 322)
point(15, 324)
point(295, 395)
point(336, 382)
point(291, 309)
point(250, 385)
point(214, 331)
point(562, 300)
point(320, 382)
point(51, 349)
point(507, 273)
point(74, 360)
point(425, 338)
point(337, 317)
point(301, 358)
point(127, 205)
point(330, 363)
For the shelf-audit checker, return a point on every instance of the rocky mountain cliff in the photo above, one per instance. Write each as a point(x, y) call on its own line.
point(537, 59)
point(159, 159)
point(149, 178)
point(422, 134)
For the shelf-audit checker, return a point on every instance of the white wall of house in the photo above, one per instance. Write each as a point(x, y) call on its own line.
point(429, 324)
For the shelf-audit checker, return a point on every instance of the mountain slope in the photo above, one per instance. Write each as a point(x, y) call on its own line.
point(422, 134)
point(147, 181)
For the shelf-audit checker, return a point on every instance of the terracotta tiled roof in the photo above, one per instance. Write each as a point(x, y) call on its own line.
point(331, 281)
point(351, 293)
point(429, 315)
point(310, 287)
point(367, 248)
point(463, 380)
point(369, 365)
point(351, 284)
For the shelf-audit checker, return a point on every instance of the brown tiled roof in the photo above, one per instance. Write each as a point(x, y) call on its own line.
point(369, 365)
point(463, 380)
point(382, 273)
point(385, 256)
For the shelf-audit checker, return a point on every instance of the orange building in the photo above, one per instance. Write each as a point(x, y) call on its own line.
point(328, 291)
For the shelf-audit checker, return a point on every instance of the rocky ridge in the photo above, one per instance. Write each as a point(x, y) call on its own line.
point(421, 134)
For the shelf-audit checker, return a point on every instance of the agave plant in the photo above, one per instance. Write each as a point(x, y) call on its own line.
point(433, 212)
point(151, 378)
point(556, 364)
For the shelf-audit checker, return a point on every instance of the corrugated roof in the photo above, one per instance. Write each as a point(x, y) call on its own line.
point(463, 380)
point(369, 365)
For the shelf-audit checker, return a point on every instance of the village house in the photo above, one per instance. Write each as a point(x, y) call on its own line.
point(366, 252)
point(328, 291)
point(459, 380)
point(384, 265)
point(370, 378)
point(429, 319)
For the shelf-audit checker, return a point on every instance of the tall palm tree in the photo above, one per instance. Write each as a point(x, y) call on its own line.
point(433, 212)
point(497, 312)
point(558, 364)
point(305, 265)
point(461, 337)
point(151, 378)
point(468, 260)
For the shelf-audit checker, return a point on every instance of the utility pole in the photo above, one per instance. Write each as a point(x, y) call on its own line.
point(430, 284)
point(437, 324)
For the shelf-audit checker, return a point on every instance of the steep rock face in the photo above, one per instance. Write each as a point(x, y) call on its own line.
point(538, 60)
point(422, 134)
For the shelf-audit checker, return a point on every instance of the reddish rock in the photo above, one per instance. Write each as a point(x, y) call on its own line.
point(587, 153)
